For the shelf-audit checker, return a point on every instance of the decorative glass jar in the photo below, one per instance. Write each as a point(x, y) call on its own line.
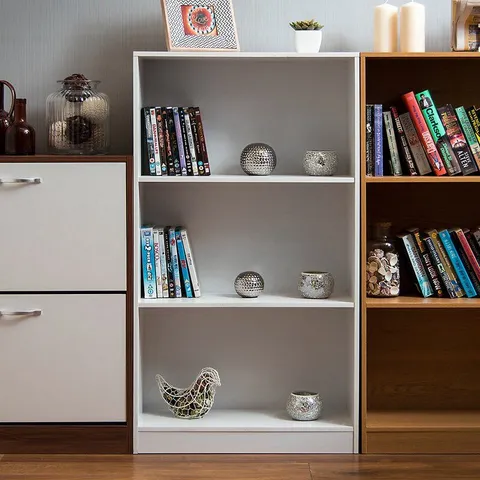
point(78, 118)
point(383, 272)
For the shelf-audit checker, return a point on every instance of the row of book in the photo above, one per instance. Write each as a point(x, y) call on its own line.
point(422, 139)
point(444, 263)
point(173, 142)
point(168, 269)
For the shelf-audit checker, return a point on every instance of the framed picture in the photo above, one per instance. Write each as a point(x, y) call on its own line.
point(207, 25)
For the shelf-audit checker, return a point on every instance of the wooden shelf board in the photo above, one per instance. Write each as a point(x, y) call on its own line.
point(406, 179)
point(248, 179)
point(423, 55)
point(234, 301)
point(418, 302)
point(423, 421)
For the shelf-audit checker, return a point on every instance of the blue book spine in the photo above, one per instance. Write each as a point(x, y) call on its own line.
point(183, 264)
point(457, 264)
point(178, 133)
point(175, 265)
point(378, 139)
point(148, 263)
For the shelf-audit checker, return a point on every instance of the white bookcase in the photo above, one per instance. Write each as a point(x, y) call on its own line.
point(279, 226)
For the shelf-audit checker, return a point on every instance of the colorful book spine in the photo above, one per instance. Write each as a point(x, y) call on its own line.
point(433, 234)
point(203, 142)
point(182, 258)
point(439, 267)
point(161, 141)
point(474, 121)
point(378, 139)
point(163, 262)
point(395, 166)
point(465, 260)
point(405, 152)
point(173, 142)
point(175, 264)
point(158, 268)
point(168, 261)
point(191, 264)
point(149, 149)
point(468, 251)
point(424, 134)
point(457, 264)
point(148, 263)
point(168, 146)
point(430, 114)
point(178, 132)
point(421, 161)
point(196, 139)
point(186, 147)
point(457, 140)
point(469, 133)
point(156, 147)
point(191, 142)
point(369, 143)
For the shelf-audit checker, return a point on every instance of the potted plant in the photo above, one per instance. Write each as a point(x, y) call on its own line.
point(308, 36)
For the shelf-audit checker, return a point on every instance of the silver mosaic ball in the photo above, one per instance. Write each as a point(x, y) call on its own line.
point(304, 406)
point(258, 159)
point(316, 285)
point(249, 284)
point(320, 163)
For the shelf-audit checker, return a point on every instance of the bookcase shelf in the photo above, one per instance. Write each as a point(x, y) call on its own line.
point(416, 180)
point(418, 302)
point(287, 224)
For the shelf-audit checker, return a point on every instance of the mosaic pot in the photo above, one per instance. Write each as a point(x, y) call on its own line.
point(316, 285)
point(320, 163)
point(304, 406)
point(249, 284)
point(258, 159)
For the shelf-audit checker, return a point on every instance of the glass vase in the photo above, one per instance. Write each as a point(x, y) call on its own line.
point(383, 271)
point(78, 117)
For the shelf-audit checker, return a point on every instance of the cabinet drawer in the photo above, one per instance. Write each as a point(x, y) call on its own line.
point(64, 362)
point(67, 233)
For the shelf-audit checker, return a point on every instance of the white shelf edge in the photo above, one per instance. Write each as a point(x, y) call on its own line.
point(303, 179)
point(243, 55)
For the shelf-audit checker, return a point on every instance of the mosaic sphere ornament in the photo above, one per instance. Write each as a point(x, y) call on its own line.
point(258, 159)
point(249, 284)
point(316, 285)
point(320, 163)
point(304, 406)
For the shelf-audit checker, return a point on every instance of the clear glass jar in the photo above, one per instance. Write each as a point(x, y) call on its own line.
point(383, 271)
point(78, 118)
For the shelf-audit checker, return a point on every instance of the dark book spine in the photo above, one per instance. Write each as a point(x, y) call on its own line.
point(173, 142)
point(161, 141)
point(466, 263)
point(405, 153)
point(186, 148)
point(196, 140)
point(168, 257)
point(149, 147)
point(468, 251)
point(391, 142)
point(473, 244)
point(168, 146)
point(370, 155)
point(378, 139)
point(439, 267)
point(203, 142)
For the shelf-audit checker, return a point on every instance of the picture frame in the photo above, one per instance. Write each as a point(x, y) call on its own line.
point(200, 25)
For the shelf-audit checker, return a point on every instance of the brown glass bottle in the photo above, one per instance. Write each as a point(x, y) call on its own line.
point(6, 118)
point(20, 136)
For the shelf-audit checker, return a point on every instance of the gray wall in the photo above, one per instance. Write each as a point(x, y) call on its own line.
point(42, 41)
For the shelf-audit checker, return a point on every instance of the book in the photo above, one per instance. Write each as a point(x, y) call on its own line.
point(472, 259)
point(191, 264)
point(186, 147)
point(395, 166)
point(476, 236)
point(405, 152)
point(439, 266)
point(474, 121)
point(465, 260)
point(457, 140)
point(432, 273)
point(182, 259)
point(435, 125)
point(156, 147)
point(173, 142)
point(203, 142)
point(191, 142)
point(378, 139)
point(158, 268)
point(457, 264)
point(424, 134)
point(168, 146)
point(473, 243)
point(168, 261)
point(418, 154)
point(163, 262)
point(175, 264)
point(148, 263)
point(178, 133)
point(149, 153)
point(415, 262)
point(196, 139)
point(369, 143)
point(448, 267)
point(161, 141)
point(469, 133)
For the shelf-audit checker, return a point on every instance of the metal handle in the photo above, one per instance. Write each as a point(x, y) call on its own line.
point(23, 181)
point(20, 313)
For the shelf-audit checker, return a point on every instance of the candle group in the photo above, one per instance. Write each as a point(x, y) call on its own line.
point(412, 28)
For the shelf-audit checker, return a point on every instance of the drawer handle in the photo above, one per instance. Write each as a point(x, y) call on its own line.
point(20, 313)
point(22, 181)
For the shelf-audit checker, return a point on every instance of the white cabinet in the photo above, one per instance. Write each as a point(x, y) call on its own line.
point(63, 227)
point(65, 360)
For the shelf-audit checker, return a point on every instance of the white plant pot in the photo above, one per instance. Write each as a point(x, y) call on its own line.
point(308, 41)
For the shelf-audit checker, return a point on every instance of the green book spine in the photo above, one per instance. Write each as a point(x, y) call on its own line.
point(475, 121)
point(469, 133)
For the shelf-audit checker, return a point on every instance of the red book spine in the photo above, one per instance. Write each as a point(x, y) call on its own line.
point(424, 134)
point(468, 250)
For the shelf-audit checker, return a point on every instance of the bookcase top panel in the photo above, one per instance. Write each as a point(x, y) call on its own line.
point(244, 55)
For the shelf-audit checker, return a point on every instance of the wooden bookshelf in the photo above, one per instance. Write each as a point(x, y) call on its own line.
point(420, 358)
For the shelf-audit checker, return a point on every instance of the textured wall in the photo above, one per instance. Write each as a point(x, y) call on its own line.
point(42, 41)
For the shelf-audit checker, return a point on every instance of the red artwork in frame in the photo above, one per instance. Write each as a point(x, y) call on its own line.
point(199, 20)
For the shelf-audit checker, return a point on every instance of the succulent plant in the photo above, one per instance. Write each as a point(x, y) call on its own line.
point(306, 25)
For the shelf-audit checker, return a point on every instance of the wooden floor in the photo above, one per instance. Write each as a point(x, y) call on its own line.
point(229, 467)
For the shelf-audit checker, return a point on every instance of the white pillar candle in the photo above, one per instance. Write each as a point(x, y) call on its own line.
point(412, 27)
point(385, 28)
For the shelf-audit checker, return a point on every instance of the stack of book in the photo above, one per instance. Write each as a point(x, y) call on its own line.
point(444, 263)
point(173, 142)
point(168, 269)
point(421, 139)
